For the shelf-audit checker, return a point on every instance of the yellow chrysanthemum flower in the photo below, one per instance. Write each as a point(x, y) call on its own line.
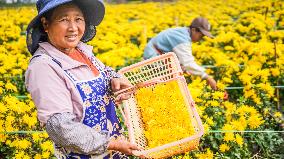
point(206, 155)
point(277, 115)
point(239, 140)
point(224, 147)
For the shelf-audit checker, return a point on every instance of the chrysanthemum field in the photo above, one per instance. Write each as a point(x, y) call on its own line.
point(246, 57)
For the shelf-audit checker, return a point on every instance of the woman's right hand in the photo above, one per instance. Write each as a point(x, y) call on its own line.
point(122, 146)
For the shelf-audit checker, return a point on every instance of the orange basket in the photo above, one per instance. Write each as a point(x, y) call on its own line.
point(151, 74)
point(162, 67)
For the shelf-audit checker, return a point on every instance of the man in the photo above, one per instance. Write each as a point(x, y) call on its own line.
point(178, 40)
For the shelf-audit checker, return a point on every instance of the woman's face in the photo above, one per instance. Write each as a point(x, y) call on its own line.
point(65, 28)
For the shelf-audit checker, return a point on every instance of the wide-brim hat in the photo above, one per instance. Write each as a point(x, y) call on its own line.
point(93, 11)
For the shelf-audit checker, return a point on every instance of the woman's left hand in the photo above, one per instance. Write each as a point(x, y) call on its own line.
point(119, 84)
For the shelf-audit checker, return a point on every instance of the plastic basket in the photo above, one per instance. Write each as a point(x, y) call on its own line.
point(161, 69)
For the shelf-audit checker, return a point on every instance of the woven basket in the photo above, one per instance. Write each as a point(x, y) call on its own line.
point(148, 73)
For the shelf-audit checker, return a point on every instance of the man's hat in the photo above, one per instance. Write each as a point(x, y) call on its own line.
point(203, 25)
point(93, 10)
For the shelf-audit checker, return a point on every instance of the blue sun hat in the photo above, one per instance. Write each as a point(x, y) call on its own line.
point(93, 11)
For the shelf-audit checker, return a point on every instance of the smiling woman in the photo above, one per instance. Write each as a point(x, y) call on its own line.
point(70, 87)
point(65, 27)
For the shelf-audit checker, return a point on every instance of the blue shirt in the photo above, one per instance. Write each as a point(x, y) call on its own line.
point(175, 40)
point(166, 41)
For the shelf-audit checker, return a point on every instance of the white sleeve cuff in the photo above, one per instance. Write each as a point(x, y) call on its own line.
point(204, 76)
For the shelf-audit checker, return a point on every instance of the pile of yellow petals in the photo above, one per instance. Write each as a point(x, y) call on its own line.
point(164, 113)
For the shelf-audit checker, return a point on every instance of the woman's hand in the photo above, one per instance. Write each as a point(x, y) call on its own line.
point(119, 84)
point(123, 146)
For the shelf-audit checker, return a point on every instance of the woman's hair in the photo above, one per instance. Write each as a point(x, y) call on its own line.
point(47, 15)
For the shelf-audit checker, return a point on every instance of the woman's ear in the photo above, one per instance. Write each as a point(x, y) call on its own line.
point(44, 23)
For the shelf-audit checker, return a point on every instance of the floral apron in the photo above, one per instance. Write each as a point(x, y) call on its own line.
point(98, 111)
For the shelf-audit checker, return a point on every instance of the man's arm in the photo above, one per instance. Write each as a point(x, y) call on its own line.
point(186, 59)
point(184, 54)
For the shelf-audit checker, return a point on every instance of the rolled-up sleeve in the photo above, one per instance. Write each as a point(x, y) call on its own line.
point(48, 90)
point(184, 54)
point(75, 136)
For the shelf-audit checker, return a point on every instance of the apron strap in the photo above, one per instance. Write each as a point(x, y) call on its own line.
point(70, 76)
point(97, 64)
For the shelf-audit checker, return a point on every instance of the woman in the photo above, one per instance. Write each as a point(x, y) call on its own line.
point(69, 86)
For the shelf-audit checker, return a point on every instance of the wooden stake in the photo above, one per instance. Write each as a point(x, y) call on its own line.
point(277, 80)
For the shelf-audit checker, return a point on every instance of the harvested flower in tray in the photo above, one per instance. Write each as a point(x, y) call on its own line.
point(164, 113)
